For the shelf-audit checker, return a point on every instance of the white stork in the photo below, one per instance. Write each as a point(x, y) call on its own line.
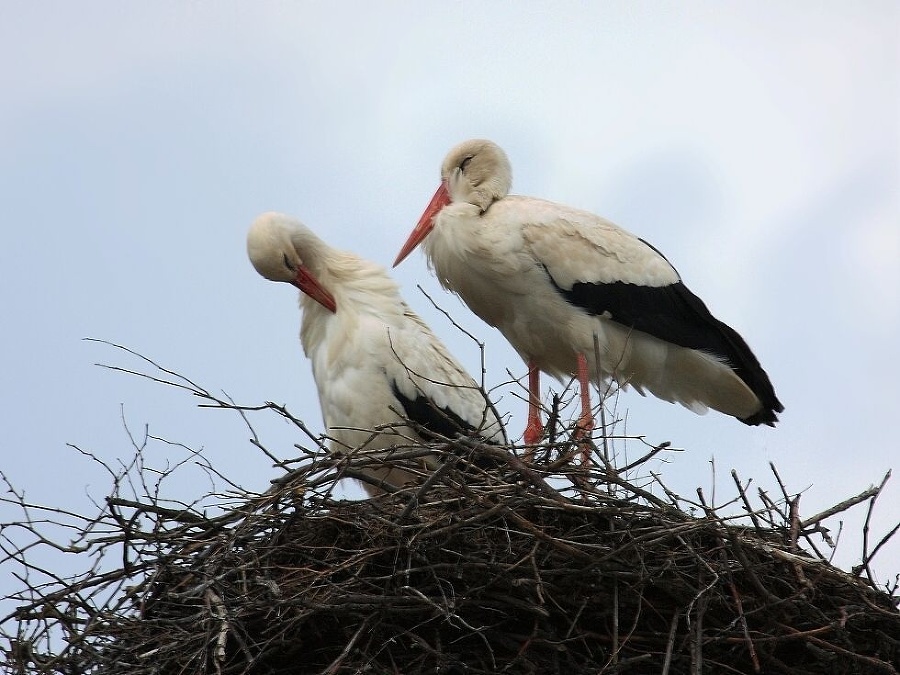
point(374, 361)
point(553, 278)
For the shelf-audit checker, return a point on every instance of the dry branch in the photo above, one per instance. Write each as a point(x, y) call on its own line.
point(469, 571)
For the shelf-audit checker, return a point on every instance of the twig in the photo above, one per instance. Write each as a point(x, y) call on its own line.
point(670, 643)
point(866, 556)
point(335, 665)
point(840, 507)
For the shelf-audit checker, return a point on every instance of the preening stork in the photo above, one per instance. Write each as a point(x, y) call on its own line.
point(553, 279)
point(375, 362)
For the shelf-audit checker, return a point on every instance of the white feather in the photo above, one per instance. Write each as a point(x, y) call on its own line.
point(371, 342)
point(509, 256)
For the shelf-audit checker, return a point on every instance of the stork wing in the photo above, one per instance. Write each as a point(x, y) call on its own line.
point(606, 271)
point(434, 390)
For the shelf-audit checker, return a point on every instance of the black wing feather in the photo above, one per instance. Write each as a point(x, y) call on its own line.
point(442, 422)
point(426, 415)
point(674, 314)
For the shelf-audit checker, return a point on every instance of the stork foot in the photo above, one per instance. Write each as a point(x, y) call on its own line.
point(583, 435)
point(534, 432)
point(586, 424)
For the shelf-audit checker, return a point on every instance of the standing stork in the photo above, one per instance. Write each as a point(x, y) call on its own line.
point(375, 362)
point(554, 279)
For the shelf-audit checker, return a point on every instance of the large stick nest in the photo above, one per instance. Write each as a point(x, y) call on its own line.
point(532, 566)
point(470, 571)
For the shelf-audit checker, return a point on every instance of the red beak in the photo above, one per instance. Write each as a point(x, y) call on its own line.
point(426, 222)
point(307, 283)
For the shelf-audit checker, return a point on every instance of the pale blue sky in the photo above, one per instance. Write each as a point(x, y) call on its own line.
point(755, 143)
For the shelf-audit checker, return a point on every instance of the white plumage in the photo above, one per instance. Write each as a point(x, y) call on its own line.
point(375, 362)
point(551, 277)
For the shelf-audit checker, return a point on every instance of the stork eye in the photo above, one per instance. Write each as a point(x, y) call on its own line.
point(465, 163)
point(288, 263)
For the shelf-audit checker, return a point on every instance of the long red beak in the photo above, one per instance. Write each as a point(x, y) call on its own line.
point(426, 222)
point(307, 283)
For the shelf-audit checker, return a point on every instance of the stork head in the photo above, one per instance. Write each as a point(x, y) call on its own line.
point(282, 248)
point(474, 172)
point(477, 172)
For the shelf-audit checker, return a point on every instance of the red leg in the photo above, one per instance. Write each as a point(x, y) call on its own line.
point(534, 431)
point(586, 423)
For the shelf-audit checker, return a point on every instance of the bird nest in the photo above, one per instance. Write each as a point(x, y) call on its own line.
point(533, 565)
point(470, 571)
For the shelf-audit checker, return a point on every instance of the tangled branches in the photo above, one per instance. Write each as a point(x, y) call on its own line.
point(471, 570)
